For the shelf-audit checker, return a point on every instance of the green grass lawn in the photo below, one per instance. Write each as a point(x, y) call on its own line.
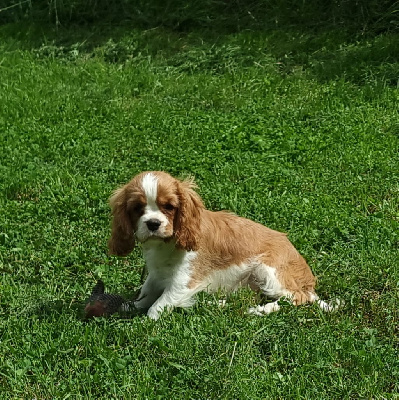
point(296, 129)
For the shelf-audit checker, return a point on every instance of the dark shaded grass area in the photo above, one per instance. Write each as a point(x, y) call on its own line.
point(222, 15)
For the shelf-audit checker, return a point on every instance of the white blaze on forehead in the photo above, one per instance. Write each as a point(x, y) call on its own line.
point(150, 187)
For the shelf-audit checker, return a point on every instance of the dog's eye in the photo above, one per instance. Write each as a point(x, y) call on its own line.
point(138, 208)
point(168, 207)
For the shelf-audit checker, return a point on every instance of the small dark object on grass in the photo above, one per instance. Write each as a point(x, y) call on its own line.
point(102, 304)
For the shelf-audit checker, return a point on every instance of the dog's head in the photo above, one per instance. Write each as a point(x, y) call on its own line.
point(155, 206)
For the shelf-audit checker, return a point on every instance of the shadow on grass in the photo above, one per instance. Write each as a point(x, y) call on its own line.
point(50, 310)
point(338, 40)
point(219, 15)
point(44, 310)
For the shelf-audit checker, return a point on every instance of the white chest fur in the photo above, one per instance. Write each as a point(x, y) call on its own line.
point(166, 264)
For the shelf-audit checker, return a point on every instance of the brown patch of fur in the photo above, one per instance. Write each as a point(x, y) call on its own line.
point(297, 277)
point(187, 224)
point(124, 217)
point(122, 241)
point(168, 194)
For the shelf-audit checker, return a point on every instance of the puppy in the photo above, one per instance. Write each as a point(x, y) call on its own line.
point(189, 249)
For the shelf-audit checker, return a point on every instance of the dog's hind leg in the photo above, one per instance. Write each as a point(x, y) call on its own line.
point(264, 279)
point(326, 307)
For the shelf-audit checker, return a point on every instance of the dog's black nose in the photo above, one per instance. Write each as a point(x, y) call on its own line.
point(153, 224)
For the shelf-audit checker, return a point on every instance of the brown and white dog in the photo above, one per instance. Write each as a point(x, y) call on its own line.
point(189, 249)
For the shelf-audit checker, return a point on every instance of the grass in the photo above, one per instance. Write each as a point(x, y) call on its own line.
point(294, 128)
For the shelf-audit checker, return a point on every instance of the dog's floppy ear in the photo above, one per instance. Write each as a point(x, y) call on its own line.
point(187, 222)
point(122, 240)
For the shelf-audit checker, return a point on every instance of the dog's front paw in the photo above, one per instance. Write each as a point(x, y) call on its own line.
point(153, 313)
point(265, 309)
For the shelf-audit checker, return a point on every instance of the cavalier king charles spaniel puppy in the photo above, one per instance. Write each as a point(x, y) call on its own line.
point(189, 249)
